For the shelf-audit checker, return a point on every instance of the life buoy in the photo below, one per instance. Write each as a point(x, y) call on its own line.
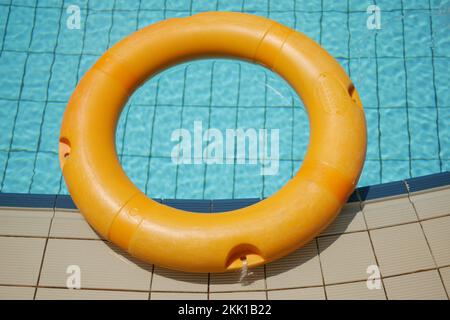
point(194, 242)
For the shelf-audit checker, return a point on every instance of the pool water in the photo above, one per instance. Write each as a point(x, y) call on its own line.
point(401, 72)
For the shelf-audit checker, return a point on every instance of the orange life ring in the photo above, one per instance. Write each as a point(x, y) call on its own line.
point(188, 241)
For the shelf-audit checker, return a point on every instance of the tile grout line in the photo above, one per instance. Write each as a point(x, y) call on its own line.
point(43, 254)
point(321, 269)
point(372, 246)
point(426, 238)
point(224, 291)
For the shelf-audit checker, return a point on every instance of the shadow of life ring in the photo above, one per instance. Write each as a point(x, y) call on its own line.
point(225, 241)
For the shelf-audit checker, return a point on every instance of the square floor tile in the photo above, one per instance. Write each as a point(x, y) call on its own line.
point(101, 266)
point(445, 274)
point(20, 260)
point(229, 281)
point(437, 232)
point(178, 296)
point(177, 281)
point(389, 212)
point(299, 269)
point(354, 291)
point(16, 293)
point(74, 294)
point(416, 286)
point(249, 295)
point(71, 224)
point(350, 219)
point(401, 249)
point(23, 222)
point(313, 293)
point(432, 204)
point(345, 257)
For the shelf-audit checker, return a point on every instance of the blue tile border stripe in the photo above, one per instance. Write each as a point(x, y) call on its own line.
point(49, 201)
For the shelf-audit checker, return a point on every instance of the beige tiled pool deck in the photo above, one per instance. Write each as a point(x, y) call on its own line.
point(407, 236)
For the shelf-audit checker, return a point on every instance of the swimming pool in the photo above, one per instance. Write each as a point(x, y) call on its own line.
point(400, 71)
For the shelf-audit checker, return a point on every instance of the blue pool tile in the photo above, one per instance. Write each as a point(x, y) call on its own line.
point(177, 14)
point(373, 147)
point(70, 41)
point(247, 182)
point(123, 25)
point(164, 126)
point(261, 5)
point(392, 90)
point(97, 28)
point(22, 200)
point(371, 173)
point(177, 5)
point(45, 33)
point(420, 82)
point(7, 114)
point(252, 86)
point(36, 80)
point(64, 77)
point(19, 29)
point(102, 5)
point(203, 206)
point(139, 120)
point(301, 133)
point(309, 23)
point(128, 5)
point(153, 5)
point(364, 76)
point(225, 83)
point(424, 142)
point(27, 129)
point(362, 39)
point(136, 170)
point(146, 94)
point(219, 182)
point(161, 182)
point(170, 87)
point(230, 5)
point(51, 127)
point(444, 133)
point(197, 89)
point(279, 121)
point(120, 130)
point(442, 79)
point(194, 114)
point(394, 137)
point(429, 181)
point(424, 167)
point(190, 181)
point(86, 62)
point(149, 17)
point(330, 5)
point(390, 36)
point(392, 169)
point(204, 5)
point(233, 204)
point(441, 40)
point(19, 171)
point(308, 5)
point(382, 190)
point(278, 92)
point(418, 33)
point(335, 34)
point(273, 183)
point(42, 182)
point(12, 64)
point(286, 18)
point(3, 159)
